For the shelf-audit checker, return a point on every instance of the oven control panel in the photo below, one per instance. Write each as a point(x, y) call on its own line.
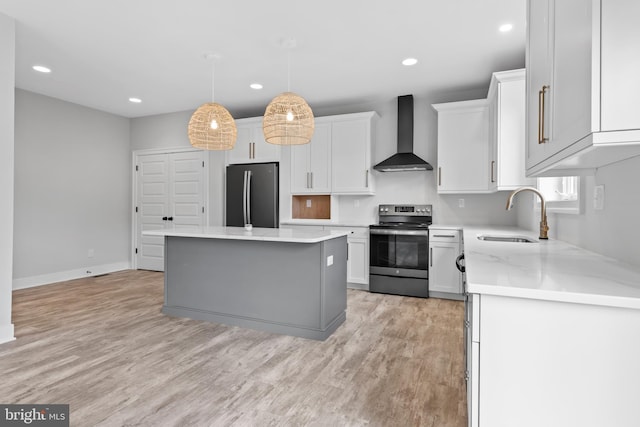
point(404, 210)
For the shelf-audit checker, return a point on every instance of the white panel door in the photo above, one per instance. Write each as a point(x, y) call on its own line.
point(170, 194)
point(186, 192)
point(152, 206)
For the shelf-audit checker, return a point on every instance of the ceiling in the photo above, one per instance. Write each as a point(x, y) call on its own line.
point(347, 52)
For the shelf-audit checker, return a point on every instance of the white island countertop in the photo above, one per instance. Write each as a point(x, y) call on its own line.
point(239, 233)
point(547, 270)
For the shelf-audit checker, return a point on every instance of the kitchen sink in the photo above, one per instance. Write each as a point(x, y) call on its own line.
point(506, 238)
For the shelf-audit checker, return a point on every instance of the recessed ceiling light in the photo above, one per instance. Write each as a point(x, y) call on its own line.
point(255, 86)
point(135, 100)
point(409, 61)
point(504, 28)
point(42, 68)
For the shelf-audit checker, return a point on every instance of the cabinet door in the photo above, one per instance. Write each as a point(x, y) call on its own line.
point(311, 163)
point(350, 151)
point(300, 158)
point(358, 265)
point(262, 150)
point(250, 146)
point(463, 148)
point(572, 73)
point(510, 162)
point(443, 274)
point(320, 159)
point(240, 151)
point(538, 60)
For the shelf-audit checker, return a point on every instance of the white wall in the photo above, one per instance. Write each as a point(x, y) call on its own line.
point(7, 79)
point(170, 131)
point(72, 191)
point(614, 230)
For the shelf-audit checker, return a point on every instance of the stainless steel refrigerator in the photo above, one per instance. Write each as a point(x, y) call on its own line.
point(252, 195)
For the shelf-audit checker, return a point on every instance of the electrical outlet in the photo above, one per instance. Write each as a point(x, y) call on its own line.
point(329, 260)
point(90, 253)
point(598, 197)
point(308, 203)
point(461, 203)
point(356, 203)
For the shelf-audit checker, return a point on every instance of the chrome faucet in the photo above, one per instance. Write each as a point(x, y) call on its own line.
point(543, 210)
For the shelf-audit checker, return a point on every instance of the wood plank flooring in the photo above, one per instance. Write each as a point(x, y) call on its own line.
point(101, 345)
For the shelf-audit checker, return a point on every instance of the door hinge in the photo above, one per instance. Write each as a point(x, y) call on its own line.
point(136, 250)
point(136, 209)
point(203, 163)
point(203, 209)
point(136, 168)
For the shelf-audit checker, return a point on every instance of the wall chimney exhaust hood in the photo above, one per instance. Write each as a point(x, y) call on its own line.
point(404, 159)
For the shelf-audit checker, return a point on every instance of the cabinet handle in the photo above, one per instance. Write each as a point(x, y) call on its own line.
point(366, 178)
point(439, 176)
point(444, 235)
point(541, 92)
point(430, 257)
point(311, 173)
point(493, 163)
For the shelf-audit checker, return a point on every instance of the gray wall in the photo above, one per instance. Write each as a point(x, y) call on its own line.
point(72, 189)
point(7, 79)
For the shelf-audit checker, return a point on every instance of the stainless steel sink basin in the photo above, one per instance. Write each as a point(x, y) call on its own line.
point(506, 238)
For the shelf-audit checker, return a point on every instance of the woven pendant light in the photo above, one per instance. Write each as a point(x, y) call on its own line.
point(288, 119)
point(211, 126)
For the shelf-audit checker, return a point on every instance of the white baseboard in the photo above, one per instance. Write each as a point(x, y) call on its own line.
point(6, 333)
point(62, 276)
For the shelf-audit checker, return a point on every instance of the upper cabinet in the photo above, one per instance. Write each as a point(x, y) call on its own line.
point(250, 146)
point(582, 92)
point(463, 147)
point(311, 163)
point(352, 138)
point(506, 109)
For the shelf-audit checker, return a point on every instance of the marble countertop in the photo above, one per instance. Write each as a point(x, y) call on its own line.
point(239, 233)
point(548, 270)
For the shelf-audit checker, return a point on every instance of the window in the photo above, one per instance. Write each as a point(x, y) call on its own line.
point(562, 194)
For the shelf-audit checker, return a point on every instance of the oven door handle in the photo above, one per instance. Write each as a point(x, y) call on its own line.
point(400, 232)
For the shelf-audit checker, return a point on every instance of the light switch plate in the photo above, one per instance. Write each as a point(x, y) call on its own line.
point(308, 203)
point(598, 197)
point(461, 203)
point(329, 260)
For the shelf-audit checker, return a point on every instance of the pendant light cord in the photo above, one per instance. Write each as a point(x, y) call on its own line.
point(213, 79)
point(289, 70)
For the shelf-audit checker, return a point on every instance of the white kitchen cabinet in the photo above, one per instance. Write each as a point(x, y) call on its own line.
point(445, 281)
point(463, 147)
point(311, 163)
point(358, 256)
point(507, 135)
point(352, 138)
point(582, 91)
point(556, 362)
point(251, 146)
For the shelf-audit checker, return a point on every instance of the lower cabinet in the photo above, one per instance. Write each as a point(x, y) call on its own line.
point(445, 281)
point(558, 363)
point(358, 252)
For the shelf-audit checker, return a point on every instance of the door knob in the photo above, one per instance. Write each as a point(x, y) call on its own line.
point(164, 218)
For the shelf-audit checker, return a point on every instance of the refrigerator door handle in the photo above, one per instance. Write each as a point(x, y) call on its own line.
point(248, 196)
point(244, 198)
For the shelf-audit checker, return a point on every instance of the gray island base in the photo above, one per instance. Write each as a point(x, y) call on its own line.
point(284, 287)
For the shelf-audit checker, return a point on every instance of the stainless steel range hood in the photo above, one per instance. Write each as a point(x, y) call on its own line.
point(404, 159)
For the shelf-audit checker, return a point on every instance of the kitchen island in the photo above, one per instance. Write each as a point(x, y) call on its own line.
point(283, 281)
point(554, 333)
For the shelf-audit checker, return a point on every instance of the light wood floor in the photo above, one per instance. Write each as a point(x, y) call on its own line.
point(102, 346)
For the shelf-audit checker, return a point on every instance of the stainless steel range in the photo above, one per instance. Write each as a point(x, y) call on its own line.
point(399, 250)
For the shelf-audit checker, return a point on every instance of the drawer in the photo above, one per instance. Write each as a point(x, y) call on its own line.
point(444, 235)
point(362, 232)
